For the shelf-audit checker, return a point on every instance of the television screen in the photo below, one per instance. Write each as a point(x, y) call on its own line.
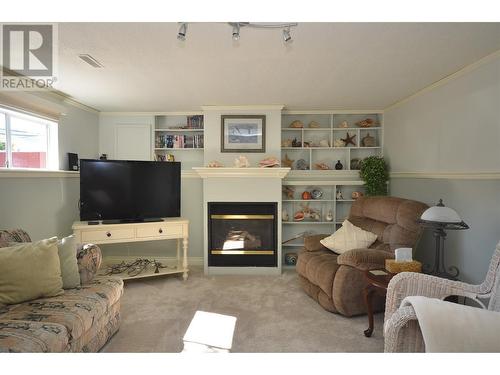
point(129, 190)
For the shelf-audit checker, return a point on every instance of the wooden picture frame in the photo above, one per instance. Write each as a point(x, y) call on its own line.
point(243, 133)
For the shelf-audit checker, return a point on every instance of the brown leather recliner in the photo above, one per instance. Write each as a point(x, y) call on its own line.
point(336, 282)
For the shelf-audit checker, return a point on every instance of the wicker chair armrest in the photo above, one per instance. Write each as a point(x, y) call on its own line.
point(407, 284)
point(394, 340)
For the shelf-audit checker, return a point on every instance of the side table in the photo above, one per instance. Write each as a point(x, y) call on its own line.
point(378, 281)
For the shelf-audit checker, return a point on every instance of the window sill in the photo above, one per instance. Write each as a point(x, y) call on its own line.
point(36, 173)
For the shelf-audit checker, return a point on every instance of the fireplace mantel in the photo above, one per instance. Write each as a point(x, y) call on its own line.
point(207, 172)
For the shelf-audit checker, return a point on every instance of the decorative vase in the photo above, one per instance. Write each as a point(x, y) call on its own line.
point(291, 259)
point(339, 166)
point(329, 216)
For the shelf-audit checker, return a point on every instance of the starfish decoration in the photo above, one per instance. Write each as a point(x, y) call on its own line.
point(287, 162)
point(349, 139)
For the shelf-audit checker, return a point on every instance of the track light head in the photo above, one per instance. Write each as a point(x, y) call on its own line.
point(181, 35)
point(287, 38)
point(236, 32)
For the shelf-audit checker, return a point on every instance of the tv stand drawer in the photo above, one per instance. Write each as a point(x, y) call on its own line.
point(160, 230)
point(89, 236)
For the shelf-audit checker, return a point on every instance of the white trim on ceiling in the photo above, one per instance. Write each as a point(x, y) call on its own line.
point(257, 107)
point(464, 70)
point(173, 113)
point(448, 175)
point(334, 112)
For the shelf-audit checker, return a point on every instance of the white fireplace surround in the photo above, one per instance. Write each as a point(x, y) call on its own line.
point(241, 185)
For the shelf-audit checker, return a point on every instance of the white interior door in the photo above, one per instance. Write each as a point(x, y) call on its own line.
point(133, 142)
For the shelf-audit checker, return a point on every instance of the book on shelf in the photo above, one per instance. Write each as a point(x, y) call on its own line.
point(179, 141)
point(195, 122)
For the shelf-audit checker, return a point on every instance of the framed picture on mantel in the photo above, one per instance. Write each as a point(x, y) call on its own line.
point(243, 133)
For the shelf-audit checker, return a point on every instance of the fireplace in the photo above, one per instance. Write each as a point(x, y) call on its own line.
point(242, 234)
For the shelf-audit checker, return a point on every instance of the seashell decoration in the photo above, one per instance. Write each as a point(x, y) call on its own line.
point(302, 165)
point(316, 194)
point(289, 191)
point(286, 143)
point(338, 143)
point(344, 124)
point(241, 162)
point(269, 162)
point(297, 124)
point(287, 162)
point(284, 216)
point(366, 123)
point(368, 141)
point(329, 216)
point(215, 164)
point(314, 124)
point(298, 216)
point(322, 166)
point(356, 194)
point(324, 143)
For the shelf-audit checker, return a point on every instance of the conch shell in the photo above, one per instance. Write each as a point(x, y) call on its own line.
point(241, 162)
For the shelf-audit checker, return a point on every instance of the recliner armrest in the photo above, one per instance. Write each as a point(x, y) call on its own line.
point(364, 259)
point(311, 243)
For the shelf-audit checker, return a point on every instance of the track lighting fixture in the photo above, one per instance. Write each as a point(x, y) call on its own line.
point(287, 38)
point(181, 35)
point(236, 31)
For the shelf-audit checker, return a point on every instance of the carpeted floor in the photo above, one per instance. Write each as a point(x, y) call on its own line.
point(273, 315)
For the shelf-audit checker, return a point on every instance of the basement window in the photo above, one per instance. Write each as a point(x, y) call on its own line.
point(27, 141)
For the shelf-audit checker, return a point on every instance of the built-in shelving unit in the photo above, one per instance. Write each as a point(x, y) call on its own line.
point(181, 136)
point(315, 143)
point(328, 203)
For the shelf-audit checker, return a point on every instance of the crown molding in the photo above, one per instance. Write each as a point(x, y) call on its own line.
point(333, 112)
point(464, 70)
point(172, 113)
point(271, 107)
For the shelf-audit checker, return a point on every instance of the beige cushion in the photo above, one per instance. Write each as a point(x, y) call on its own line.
point(348, 237)
point(69, 266)
point(29, 271)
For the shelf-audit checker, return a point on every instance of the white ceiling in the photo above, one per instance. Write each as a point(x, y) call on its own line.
point(328, 65)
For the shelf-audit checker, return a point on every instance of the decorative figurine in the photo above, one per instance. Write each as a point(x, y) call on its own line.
point(356, 194)
point(291, 259)
point(103, 157)
point(314, 124)
point(339, 166)
point(297, 124)
point(241, 162)
point(289, 191)
point(368, 141)
point(324, 143)
point(339, 195)
point(215, 164)
point(296, 143)
point(316, 194)
point(306, 195)
point(329, 216)
point(284, 216)
point(322, 166)
point(344, 124)
point(306, 144)
point(366, 123)
point(338, 143)
point(302, 165)
point(287, 162)
point(170, 157)
point(269, 162)
point(349, 139)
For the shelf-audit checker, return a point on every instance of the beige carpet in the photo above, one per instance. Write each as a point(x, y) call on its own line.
point(273, 315)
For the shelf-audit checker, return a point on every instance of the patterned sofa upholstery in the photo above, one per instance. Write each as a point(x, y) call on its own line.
point(81, 320)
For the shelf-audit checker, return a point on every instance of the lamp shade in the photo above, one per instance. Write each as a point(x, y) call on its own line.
point(441, 214)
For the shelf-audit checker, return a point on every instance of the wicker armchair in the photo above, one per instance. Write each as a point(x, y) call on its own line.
point(401, 329)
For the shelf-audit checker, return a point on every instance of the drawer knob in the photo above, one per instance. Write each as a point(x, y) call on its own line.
point(108, 234)
point(160, 231)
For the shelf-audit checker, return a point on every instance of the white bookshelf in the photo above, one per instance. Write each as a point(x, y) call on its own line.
point(178, 125)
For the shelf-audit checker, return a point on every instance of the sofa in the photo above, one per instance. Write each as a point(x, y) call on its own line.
point(82, 319)
point(336, 282)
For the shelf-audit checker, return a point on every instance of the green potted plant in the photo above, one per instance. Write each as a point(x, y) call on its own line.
point(375, 173)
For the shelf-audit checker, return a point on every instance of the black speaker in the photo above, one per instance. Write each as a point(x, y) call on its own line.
point(73, 162)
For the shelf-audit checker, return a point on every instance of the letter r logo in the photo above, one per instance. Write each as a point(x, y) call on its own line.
point(28, 49)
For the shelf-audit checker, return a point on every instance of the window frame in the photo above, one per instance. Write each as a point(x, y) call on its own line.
point(52, 158)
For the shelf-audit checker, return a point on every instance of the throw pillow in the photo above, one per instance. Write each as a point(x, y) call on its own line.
point(69, 266)
point(348, 237)
point(29, 271)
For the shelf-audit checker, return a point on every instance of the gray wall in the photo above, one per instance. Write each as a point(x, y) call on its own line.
point(454, 127)
point(47, 207)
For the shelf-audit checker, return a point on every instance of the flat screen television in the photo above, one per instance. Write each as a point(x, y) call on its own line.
point(129, 191)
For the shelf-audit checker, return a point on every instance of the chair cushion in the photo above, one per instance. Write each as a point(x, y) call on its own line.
point(348, 237)
point(76, 311)
point(29, 271)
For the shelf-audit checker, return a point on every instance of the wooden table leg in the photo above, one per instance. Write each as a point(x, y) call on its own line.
point(179, 262)
point(185, 258)
point(368, 296)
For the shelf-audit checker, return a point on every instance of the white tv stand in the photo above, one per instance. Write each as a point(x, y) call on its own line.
point(168, 228)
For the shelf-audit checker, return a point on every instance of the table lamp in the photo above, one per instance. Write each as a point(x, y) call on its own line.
point(440, 218)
